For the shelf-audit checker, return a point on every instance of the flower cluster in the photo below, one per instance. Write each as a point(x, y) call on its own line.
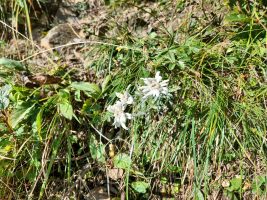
point(118, 109)
point(153, 87)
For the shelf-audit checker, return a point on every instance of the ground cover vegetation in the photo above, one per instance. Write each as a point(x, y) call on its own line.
point(166, 100)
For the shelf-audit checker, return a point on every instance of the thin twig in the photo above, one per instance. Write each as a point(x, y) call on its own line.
point(77, 43)
point(100, 133)
point(8, 187)
point(13, 29)
point(6, 158)
point(32, 42)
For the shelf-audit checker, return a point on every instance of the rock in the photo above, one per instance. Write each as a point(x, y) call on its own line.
point(70, 10)
point(60, 35)
point(66, 12)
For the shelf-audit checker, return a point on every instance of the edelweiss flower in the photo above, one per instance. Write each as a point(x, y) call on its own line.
point(120, 116)
point(154, 86)
point(125, 98)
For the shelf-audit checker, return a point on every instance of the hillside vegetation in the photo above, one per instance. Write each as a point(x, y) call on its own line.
point(129, 99)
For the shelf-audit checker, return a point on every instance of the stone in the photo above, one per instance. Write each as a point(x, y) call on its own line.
point(60, 35)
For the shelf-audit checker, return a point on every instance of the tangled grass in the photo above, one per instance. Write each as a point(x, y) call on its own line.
point(206, 140)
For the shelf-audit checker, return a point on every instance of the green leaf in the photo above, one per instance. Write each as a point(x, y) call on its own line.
point(199, 195)
point(105, 83)
point(235, 184)
point(77, 95)
point(172, 66)
point(175, 188)
point(20, 112)
point(163, 180)
point(65, 109)
point(258, 182)
point(11, 64)
point(97, 149)
point(64, 105)
point(64, 94)
point(6, 146)
point(237, 17)
point(181, 64)
point(140, 186)
point(122, 161)
point(20, 3)
point(89, 88)
point(39, 119)
point(4, 96)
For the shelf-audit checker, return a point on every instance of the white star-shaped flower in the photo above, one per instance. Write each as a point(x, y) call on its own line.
point(120, 116)
point(125, 98)
point(154, 86)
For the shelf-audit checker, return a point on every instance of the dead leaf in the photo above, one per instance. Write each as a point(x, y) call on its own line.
point(247, 186)
point(115, 173)
point(42, 79)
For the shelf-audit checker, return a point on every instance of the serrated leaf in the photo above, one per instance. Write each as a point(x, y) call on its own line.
point(140, 186)
point(122, 161)
point(11, 64)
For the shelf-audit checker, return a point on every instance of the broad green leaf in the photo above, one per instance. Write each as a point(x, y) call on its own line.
point(64, 94)
point(20, 112)
point(64, 105)
point(4, 96)
point(91, 88)
point(97, 149)
point(11, 64)
point(122, 161)
point(140, 186)
point(236, 17)
point(65, 109)
point(235, 184)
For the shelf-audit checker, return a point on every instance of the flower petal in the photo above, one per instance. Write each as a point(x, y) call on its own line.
point(158, 77)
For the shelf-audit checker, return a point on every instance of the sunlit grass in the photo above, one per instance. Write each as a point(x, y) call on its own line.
point(210, 129)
